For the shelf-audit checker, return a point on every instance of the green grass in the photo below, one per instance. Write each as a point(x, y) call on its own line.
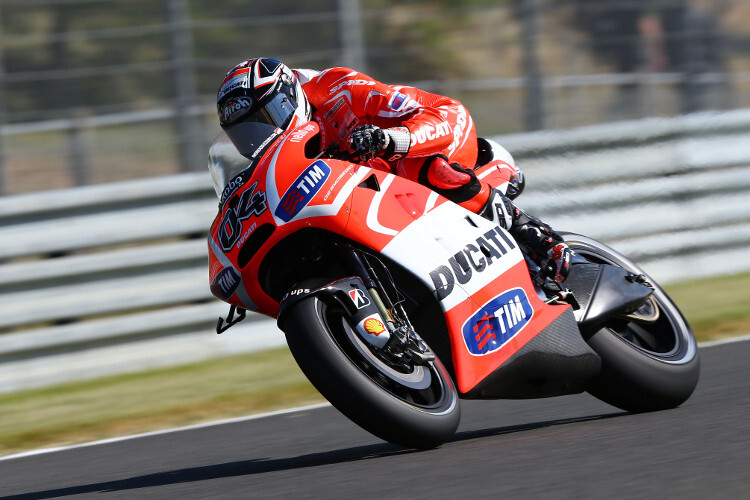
point(715, 307)
point(254, 383)
point(157, 399)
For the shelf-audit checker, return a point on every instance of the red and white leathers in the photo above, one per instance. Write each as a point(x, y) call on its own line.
point(442, 153)
point(443, 149)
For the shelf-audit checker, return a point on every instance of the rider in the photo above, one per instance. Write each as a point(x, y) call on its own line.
point(428, 138)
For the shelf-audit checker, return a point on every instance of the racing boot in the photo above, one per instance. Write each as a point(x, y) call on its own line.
point(542, 244)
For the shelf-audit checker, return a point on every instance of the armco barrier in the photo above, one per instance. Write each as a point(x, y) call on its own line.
point(669, 193)
point(113, 278)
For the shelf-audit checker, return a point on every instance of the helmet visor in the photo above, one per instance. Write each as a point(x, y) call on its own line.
point(278, 112)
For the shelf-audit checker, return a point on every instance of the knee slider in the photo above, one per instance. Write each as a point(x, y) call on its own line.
point(451, 180)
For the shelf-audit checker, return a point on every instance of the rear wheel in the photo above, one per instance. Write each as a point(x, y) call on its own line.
point(411, 405)
point(648, 363)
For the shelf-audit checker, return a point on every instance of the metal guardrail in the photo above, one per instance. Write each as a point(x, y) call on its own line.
point(669, 193)
point(113, 278)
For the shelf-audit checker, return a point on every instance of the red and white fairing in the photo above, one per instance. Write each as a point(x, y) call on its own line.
point(474, 267)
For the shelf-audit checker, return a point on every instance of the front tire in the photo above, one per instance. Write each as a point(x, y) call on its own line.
point(646, 366)
point(415, 408)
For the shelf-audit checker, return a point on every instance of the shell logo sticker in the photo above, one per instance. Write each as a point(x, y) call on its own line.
point(373, 331)
point(374, 326)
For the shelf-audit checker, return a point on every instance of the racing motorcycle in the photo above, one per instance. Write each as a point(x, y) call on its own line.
point(396, 303)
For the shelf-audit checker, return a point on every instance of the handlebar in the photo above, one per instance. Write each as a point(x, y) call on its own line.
point(333, 151)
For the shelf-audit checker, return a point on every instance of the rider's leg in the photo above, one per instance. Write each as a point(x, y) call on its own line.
point(545, 247)
point(460, 185)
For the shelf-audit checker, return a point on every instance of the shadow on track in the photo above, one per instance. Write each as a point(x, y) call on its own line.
point(225, 470)
point(261, 466)
point(510, 429)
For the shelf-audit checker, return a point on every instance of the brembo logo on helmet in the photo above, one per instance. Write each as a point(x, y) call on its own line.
point(235, 108)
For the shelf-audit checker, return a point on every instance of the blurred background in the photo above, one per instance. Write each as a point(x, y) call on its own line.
point(631, 119)
point(95, 91)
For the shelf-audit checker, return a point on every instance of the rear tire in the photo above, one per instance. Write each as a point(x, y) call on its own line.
point(645, 366)
point(417, 409)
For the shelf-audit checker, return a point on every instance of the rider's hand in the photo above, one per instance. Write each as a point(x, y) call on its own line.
point(368, 141)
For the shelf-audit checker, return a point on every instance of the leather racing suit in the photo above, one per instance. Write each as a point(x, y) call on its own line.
point(440, 150)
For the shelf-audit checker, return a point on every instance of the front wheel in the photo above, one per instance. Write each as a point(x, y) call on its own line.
point(415, 406)
point(647, 364)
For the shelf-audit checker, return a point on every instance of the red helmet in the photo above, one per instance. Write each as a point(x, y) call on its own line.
point(262, 90)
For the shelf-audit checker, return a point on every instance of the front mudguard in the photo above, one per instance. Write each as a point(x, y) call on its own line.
point(350, 293)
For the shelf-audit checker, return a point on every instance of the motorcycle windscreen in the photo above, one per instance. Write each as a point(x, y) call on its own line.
point(240, 147)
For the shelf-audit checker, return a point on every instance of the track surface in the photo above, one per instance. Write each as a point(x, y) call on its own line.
point(568, 447)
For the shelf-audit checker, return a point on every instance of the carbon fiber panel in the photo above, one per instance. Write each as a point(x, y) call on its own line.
point(555, 362)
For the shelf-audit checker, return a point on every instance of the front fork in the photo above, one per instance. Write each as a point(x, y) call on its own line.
point(401, 339)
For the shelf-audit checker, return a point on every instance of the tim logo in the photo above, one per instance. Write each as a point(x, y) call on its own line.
point(302, 190)
point(225, 283)
point(497, 322)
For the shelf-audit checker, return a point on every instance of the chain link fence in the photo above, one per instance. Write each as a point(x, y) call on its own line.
point(94, 91)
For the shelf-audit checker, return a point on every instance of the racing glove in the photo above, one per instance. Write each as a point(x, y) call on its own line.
point(368, 141)
point(543, 245)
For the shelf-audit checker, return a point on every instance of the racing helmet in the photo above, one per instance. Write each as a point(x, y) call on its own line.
point(262, 90)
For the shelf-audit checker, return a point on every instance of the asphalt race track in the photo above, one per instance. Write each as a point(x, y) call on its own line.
point(568, 447)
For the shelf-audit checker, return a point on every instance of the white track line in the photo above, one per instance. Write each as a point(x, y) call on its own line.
point(165, 431)
point(732, 340)
point(244, 419)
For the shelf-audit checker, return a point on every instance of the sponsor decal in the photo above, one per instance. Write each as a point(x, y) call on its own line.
point(349, 123)
point(373, 331)
point(249, 203)
point(359, 298)
point(302, 190)
point(350, 83)
point(476, 257)
point(235, 108)
point(402, 103)
point(458, 131)
point(265, 143)
point(333, 110)
point(428, 133)
point(497, 322)
point(294, 293)
point(234, 81)
point(225, 283)
point(299, 135)
point(247, 233)
point(231, 187)
point(374, 326)
point(397, 101)
point(336, 182)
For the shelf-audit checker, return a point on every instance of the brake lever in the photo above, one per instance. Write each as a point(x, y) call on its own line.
point(332, 151)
